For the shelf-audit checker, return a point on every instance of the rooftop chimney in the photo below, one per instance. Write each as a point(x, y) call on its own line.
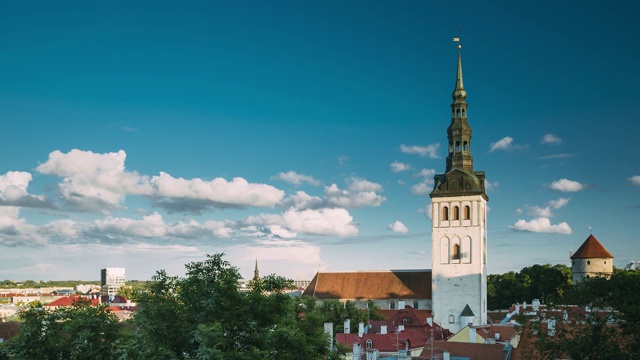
point(430, 321)
point(383, 329)
point(472, 334)
point(360, 329)
point(446, 355)
point(347, 326)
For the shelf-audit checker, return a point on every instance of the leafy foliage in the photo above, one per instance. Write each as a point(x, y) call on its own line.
point(545, 282)
point(604, 324)
point(204, 316)
point(81, 331)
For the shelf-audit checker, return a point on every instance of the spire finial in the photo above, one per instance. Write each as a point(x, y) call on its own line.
point(591, 230)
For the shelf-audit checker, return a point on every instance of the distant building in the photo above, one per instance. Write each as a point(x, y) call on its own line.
point(111, 280)
point(385, 288)
point(590, 260)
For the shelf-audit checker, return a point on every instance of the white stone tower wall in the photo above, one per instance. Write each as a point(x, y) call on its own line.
point(456, 283)
point(591, 267)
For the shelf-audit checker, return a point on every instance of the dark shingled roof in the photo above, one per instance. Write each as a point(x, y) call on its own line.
point(591, 248)
point(467, 311)
point(389, 284)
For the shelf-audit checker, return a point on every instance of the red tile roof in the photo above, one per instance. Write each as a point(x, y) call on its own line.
point(364, 285)
point(389, 342)
point(472, 351)
point(506, 331)
point(69, 300)
point(591, 248)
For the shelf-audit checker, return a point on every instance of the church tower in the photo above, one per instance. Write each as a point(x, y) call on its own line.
point(459, 229)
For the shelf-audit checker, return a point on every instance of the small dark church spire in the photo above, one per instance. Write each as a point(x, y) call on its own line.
point(256, 273)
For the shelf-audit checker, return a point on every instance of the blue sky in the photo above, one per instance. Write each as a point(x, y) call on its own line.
point(306, 134)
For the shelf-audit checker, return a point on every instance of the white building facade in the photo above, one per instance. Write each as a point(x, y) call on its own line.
point(459, 227)
point(111, 280)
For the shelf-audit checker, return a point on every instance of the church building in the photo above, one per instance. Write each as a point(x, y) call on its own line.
point(459, 229)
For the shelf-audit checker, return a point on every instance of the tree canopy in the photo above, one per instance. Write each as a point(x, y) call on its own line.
point(202, 315)
point(544, 282)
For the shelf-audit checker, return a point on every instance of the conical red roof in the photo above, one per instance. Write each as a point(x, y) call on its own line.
point(591, 248)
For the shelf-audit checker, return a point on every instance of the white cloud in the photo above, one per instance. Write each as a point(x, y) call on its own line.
point(421, 189)
point(547, 212)
point(556, 156)
point(294, 178)
point(337, 222)
point(150, 226)
point(490, 186)
point(427, 210)
point(565, 185)
point(551, 139)
point(219, 192)
point(13, 191)
point(94, 182)
point(635, 180)
point(425, 186)
point(503, 144)
point(16, 231)
point(430, 150)
point(359, 193)
point(541, 225)
point(357, 184)
point(560, 203)
point(399, 167)
point(398, 227)
point(301, 200)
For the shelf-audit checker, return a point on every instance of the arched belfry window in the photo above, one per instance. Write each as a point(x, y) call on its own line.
point(445, 213)
point(456, 213)
point(456, 252)
point(457, 145)
point(467, 212)
point(457, 112)
point(463, 113)
point(466, 146)
point(450, 147)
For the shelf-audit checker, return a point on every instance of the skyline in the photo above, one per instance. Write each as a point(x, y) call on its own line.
point(306, 136)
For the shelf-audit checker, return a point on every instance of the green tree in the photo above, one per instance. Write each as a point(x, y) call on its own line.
point(545, 282)
point(82, 331)
point(204, 316)
point(336, 312)
point(609, 330)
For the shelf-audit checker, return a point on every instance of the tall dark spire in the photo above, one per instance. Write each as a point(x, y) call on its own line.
point(459, 132)
point(256, 273)
point(459, 177)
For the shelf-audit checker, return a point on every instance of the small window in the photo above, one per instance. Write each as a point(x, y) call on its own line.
point(452, 319)
point(456, 213)
point(406, 320)
point(415, 305)
point(605, 261)
point(369, 344)
point(456, 252)
point(467, 212)
point(392, 305)
point(445, 213)
point(588, 262)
